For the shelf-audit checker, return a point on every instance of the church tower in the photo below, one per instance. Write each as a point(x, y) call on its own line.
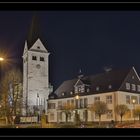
point(35, 72)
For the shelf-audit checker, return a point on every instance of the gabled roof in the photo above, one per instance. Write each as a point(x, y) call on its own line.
point(114, 78)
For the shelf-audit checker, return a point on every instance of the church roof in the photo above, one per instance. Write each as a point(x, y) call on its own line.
point(115, 78)
point(35, 32)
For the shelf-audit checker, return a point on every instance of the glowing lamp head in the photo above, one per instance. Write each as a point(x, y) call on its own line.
point(133, 101)
point(1, 59)
point(77, 97)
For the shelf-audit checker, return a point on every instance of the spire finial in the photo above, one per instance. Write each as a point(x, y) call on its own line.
point(80, 75)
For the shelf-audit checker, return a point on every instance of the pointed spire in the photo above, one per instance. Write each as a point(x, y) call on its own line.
point(25, 47)
point(34, 31)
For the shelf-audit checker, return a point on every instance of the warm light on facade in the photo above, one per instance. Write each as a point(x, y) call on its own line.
point(133, 101)
point(77, 97)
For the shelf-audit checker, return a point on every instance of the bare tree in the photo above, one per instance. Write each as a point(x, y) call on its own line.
point(12, 93)
point(121, 110)
point(99, 108)
point(67, 109)
point(137, 112)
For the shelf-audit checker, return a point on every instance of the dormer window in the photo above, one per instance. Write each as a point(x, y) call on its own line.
point(80, 89)
point(71, 92)
point(110, 86)
point(128, 86)
point(133, 87)
point(97, 88)
point(133, 77)
point(76, 89)
point(138, 88)
point(87, 89)
point(34, 58)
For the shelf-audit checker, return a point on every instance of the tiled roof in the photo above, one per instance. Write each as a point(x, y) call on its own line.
point(114, 78)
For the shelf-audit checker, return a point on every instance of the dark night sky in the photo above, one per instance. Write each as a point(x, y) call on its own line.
point(89, 40)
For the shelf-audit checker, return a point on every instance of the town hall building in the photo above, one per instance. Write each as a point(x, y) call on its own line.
point(113, 87)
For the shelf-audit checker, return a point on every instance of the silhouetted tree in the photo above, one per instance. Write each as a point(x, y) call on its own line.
point(99, 108)
point(121, 110)
point(11, 93)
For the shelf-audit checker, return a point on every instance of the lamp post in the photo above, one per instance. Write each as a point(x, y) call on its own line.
point(76, 111)
point(38, 107)
point(134, 102)
point(1, 59)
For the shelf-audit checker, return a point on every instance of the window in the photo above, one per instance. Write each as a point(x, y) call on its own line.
point(77, 105)
point(138, 88)
point(96, 98)
point(109, 99)
point(72, 102)
point(128, 86)
point(87, 89)
point(68, 102)
point(76, 89)
point(60, 116)
point(59, 104)
point(34, 58)
point(81, 103)
point(85, 102)
point(109, 114)
point(133, 77)
point(134, 98)
point(38, 47)
point(63, 93)
point(52, 116)
point(97, 88)
point(133, 87)
point(96, 115)
point(81, 89)
point(127, 99)
point(110, 86)
point(51, 105)
point(41, 58)
point(71, 92)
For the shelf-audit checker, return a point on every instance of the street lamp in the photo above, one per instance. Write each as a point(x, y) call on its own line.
point(134, 102)
point(1, 58)
point(76, 111)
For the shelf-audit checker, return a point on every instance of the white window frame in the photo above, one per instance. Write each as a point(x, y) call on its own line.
point(133, 87)
point(97, 98)
point(127, 99)
point(97, 88)
point(51, 118)
point(138, 88)
point(108, 99)
point(110, 86)
point(128, 86)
